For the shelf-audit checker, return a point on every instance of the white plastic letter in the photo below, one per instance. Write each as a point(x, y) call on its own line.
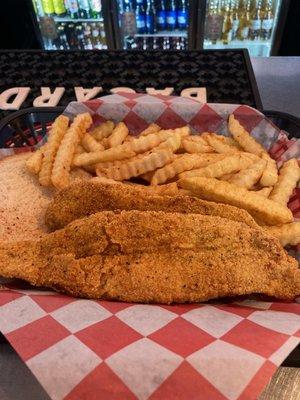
point(86, 94)
point(122, 89)
point(20, 92)
point(48, 99)
point(198, 94)
point(164, 92)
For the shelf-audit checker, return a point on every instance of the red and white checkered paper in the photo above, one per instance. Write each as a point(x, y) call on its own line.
point(84, 349)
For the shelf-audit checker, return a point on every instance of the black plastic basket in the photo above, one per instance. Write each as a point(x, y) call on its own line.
point(27, 127)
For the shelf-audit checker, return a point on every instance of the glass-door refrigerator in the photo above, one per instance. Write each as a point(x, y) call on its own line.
point(253, 24)
point(155, 24)
point(73, 24)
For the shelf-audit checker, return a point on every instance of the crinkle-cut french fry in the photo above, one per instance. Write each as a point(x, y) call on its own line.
point(90, 144)
point(192, 146)
point(34, 162)
point(289, 175)
point(105, 180)
point(105, 143)
point(219, 144)
point(225, 166)
point(197, 138)
point(79, 149)
point(65, 152)
point(152, 128)
point(56, 134)
point(244, 139)
point(101, 168)
point(183, 163)
point(288, 234)
point(172, 143)
point(103, 130)
point(265, 210)
point(147, 176)
point(226, 177)
point(129, 138)
point(140, 166)
point(118, 135)
point(183, 131)
point(270, 174)
point(115, 153)
point(265, 192)
point(249, 177)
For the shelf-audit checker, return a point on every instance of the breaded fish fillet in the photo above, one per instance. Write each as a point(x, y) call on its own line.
point(156, 257)
point(85, 198)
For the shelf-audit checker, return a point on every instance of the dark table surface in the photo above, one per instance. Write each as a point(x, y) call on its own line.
point(278, 80)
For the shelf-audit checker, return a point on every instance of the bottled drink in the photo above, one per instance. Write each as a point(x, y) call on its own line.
point(95, 6)
point(171, 15)
point(214, 21)
point(227, 27)
point(182, 15)
point(267, 20)
point(59, 7)
point(235, 21)
point(255, 26)
point(80, 36)
point(166, 43)
point(128, 20)
point(245, 20)
point(84, 9)
point(73, 9)
point(161, 17)
point(150, 15)
point(155, 44)
point(48, 7)
point(140, 17)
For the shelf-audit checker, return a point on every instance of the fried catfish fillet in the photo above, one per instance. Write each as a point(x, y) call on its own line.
point(155, 257)
point(85, 198)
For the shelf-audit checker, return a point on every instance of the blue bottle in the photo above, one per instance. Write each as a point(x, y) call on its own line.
point(182, 15)
point(140, 17)
point(161, 16)
point(150, 17)
point(171, 16)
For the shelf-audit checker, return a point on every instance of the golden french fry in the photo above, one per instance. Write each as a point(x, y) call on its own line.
point(225, 166)
point(66, 150)
point(147, 176)
point(56, 134)
point(183, 131)
point(244, 139)
point(226, 177)
point(140, 166)
point(288, 234)
point(105, 143)
point(270, 174)
point(115, 153)
point(192, 146)
point(180, 164)
point(129, 138)
point(103, 130)
point(118, 135)
point(34, 162)
point(265, 192)
point(289, 175)
point(79, 149)
point(218, 191)
point(172, 143)
point(249, 176)
point(105, 180)
point(152, 128)
point(219, 144)
point(90, 143)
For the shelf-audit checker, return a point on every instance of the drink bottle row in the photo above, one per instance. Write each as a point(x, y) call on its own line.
point(84, 36)
point(75, 9)
point(239, 20)
point(151, 16)
point(155, 43)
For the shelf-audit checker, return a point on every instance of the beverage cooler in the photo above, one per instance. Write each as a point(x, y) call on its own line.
point(252, 24)
point(161, 24)
point(73, 24)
